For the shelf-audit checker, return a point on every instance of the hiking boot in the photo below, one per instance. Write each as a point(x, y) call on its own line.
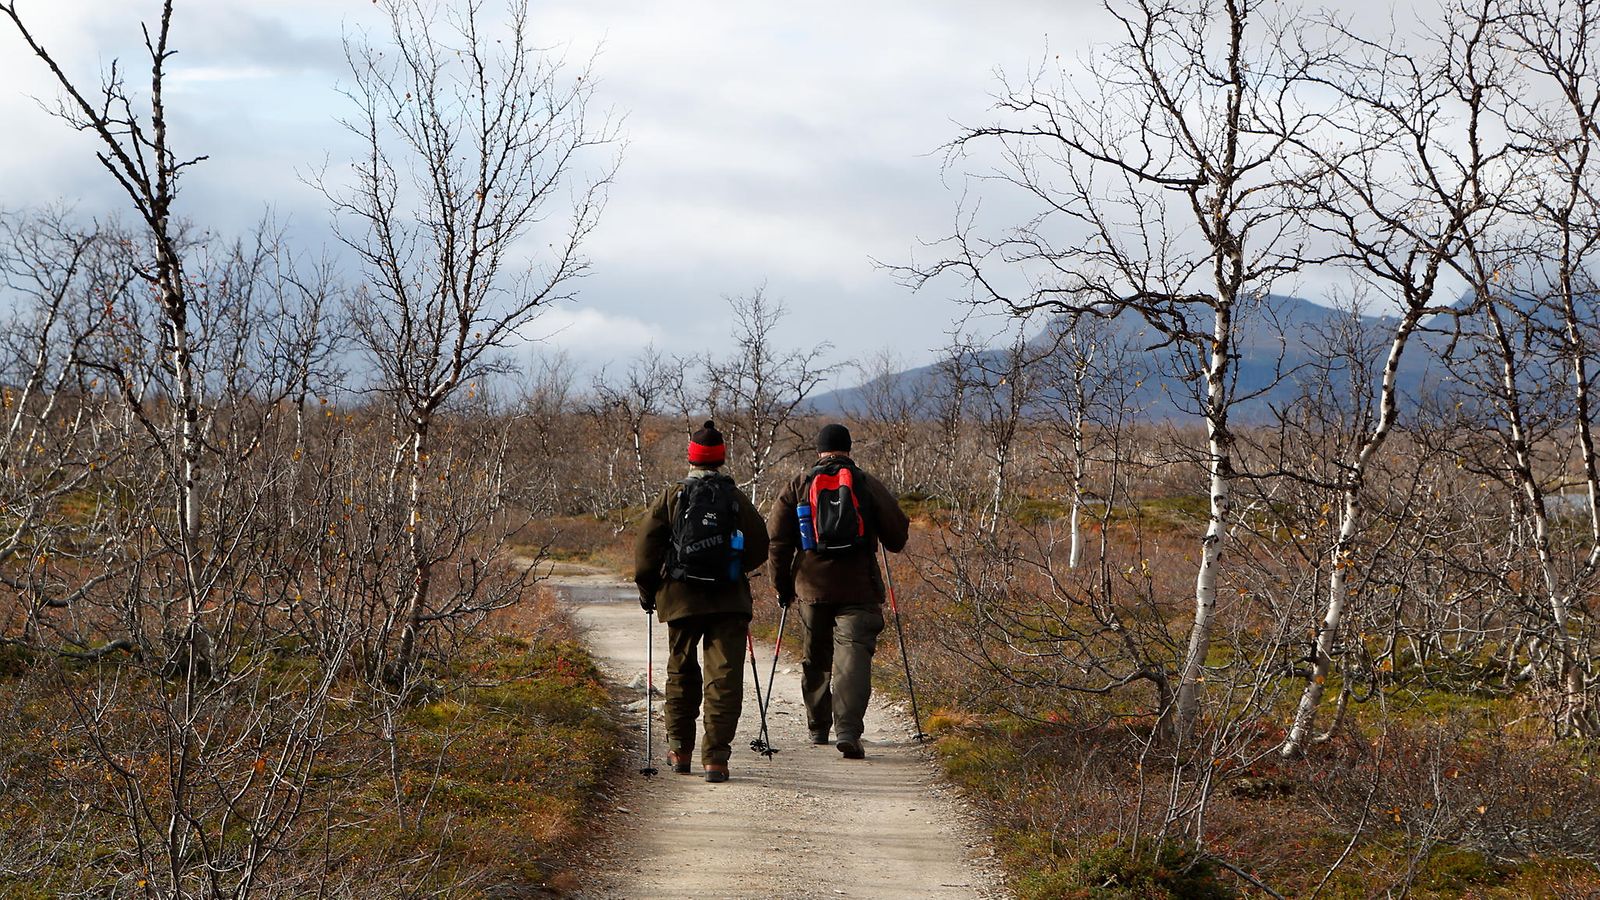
point(820, 738)
point(678, 761)
point(851, 748)
point(716, 773)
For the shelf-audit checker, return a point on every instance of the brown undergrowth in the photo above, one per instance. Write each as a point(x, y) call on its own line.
point(480, 788)
point(604, 543)
point(1419, 812)
point(1431, 788)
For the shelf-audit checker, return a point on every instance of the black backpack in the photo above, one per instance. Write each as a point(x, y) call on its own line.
point(703, 547)
point(837, 516)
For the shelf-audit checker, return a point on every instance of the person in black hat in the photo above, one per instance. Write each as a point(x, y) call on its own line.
point(699, 540)
point(825, 529)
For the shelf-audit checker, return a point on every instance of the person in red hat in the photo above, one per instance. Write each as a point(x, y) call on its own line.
point(691, 558)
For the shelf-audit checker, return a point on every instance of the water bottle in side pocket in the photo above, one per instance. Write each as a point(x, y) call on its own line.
point(736, 565)
point(808, 532)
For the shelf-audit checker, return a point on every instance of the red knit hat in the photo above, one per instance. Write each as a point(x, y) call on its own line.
point(706, 447)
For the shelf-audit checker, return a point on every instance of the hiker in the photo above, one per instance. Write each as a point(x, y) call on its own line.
point(825, 528)
point(700, 538)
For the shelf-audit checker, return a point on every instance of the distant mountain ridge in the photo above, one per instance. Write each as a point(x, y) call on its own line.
point(1277, 344)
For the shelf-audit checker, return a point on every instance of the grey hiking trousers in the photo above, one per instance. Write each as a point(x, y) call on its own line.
point(836, 672)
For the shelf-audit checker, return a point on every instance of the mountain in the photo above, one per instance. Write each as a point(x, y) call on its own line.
point(1281, 346)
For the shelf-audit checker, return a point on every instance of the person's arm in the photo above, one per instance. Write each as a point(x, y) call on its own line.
point(754, 555)
point(893, 527)
point(783, 532)
point(650, 551)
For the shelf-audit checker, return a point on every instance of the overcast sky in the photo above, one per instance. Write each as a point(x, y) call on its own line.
point(782, 143)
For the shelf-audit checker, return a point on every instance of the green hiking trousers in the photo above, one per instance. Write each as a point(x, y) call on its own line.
point(836, 673)
point(720, 637)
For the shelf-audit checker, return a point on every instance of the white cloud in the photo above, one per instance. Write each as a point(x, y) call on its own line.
point(784, 144)
point(203, 74)
point(589, 334)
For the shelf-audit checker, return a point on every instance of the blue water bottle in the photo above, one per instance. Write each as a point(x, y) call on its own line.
point(736, 565)
point(808, 534)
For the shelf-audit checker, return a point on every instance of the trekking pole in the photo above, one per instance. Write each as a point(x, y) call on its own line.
point(894, 607)
point(649, 767)
point(759, 744)
point(777, 648)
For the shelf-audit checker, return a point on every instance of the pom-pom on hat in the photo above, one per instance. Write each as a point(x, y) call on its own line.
point(833, 438)
point(706, 447)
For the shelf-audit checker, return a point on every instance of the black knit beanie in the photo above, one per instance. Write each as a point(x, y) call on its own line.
point(833, 438)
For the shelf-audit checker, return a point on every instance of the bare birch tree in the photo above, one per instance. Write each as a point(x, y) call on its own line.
point(61, 283)
point(891, 406)
point(625, 406)
point(136, 151)
point(1401, 171)
point(1090, 393)
point(1553, 42)
point(761, 388)
point(470, 135)
point(1003, 386)
point(1162, 190)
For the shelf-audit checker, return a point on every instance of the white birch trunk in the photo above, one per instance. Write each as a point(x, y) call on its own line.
point(1569, 675)
point(1578, 714)
point(1219, 446)
point(187, 427)
point(998, 491)
point(638, 461)
point(1349, 529)
point(1569, 672)
point(1322, 653)
point(1075, 540)
point(417, 592)
point(1075, 547)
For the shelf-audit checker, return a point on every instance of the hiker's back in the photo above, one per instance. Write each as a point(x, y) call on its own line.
point(840, 569)
point(695, 546)
point(698, 581)
point(826, 528)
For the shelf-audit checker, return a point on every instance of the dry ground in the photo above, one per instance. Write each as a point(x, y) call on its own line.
point(805, 823)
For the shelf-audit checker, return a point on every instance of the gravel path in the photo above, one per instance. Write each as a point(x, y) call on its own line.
point(806, 823)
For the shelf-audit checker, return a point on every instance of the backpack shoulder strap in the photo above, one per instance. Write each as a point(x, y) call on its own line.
point(808, 487)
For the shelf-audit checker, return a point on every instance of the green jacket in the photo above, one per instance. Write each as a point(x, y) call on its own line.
point(677, 599)
point(837, 580)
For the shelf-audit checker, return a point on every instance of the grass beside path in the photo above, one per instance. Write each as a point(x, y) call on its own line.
point(490, 785)
point(1055, 795)
point(509, 771)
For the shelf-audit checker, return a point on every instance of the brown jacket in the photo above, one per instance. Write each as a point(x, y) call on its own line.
point(836, 580)
point(677, 599)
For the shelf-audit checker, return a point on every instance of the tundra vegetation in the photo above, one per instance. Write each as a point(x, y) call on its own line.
point(1212, 597)
point(266, 627)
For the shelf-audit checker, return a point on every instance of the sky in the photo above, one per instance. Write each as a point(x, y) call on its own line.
point(779, 144)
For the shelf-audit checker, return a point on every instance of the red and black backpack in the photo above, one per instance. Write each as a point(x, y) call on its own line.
point(837, 515)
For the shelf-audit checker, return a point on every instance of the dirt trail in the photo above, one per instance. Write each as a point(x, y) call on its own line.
point(805, 823)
